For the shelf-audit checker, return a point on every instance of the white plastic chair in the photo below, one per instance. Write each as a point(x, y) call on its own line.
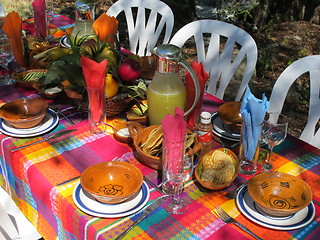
point(144, 29)
point(311, 65)
point(220, 66)
point(13, 224)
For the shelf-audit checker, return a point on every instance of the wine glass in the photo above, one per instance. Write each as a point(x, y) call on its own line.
point(274, 131)
point(49, 17)
point(177, 168)
point(6, 57)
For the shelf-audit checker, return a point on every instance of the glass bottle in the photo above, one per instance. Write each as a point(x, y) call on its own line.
point(205, 133)
point(85, 17)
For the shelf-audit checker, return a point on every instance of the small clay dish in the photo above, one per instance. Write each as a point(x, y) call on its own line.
point(230, 114)
point(51, 93)
point(138, 114)
point(279, 194)
point(217, 169)
point(24, 113)
point(112, 182)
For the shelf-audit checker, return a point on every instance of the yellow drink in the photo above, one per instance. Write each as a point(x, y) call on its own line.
point(81, 29)
point(164, 95)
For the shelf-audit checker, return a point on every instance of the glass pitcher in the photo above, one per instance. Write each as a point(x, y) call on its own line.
point(85, 17)
point(167, 90)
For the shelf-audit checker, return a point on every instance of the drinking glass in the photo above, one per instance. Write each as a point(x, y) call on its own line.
point(176, 169)
point(188, 167)
point(97, 109)
point(49, 17)
point(6, 57)
point(274, 132)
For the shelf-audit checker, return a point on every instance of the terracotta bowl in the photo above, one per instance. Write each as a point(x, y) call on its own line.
point(279, 194)
point(38, 63)
point(214, 170)
point(139, 135)
point(122, 134)
point(112, 182)
point(24, 113)
point(230, 114)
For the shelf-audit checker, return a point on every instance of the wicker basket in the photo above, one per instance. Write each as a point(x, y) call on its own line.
point(115, 106)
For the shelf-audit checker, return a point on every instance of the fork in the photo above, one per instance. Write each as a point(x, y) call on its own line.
point(227, 219)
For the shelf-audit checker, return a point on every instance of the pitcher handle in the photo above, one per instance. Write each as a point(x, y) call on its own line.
point(196, 84)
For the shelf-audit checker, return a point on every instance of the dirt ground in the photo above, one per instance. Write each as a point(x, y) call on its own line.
point(278, 46)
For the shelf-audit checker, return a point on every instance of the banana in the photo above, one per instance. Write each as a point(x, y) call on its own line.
point(52, 54)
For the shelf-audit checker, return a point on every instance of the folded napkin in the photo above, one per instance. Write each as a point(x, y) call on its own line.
point(13, 28)
point(40, 19)
point(95, 76)
point(174, 133)
point(253, 112)
point(202, 79)
point(106, 28)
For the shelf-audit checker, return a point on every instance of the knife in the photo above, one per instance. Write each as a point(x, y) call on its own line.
point(56, 135)
point(149, 209)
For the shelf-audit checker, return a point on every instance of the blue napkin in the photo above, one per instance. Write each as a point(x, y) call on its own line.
point(253, 111)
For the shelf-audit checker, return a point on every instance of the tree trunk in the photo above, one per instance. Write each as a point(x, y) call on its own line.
point(284, 11)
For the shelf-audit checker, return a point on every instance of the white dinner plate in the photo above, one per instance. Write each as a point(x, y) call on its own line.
point(248, 207)
point(49, 121)
point(64, 42)
point(89, 205)
point(219, 129)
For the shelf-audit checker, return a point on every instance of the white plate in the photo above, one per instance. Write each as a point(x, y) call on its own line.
point(50, 120)
point(64, 42)
point(89, 205)
point(248, 207)
point(221, 131)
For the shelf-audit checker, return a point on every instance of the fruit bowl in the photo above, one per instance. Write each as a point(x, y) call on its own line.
point(217, 169)
point(279, 194)
point(24, 113)
point(112, 182)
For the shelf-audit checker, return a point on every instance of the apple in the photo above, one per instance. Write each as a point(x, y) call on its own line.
point(129, 70)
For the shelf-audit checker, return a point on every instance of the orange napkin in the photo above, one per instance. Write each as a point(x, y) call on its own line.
point(174, 132)
point(95, 76)
point(106, 28)
point(202, 78)
point(40, 19)
point(13, 28)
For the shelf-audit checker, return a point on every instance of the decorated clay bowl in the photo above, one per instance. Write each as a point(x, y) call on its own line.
point(24, 113)
point(217, 169)
point(279, 194)
point(112, 182)
point(230, 114)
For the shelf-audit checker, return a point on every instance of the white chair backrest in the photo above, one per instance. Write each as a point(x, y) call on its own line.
point(220, 66)
point(13, 224)
point(311, 65)
point(144, 31)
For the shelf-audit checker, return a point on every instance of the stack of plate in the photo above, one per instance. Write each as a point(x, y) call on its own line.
point(50, 120)
point(220, 130)
point(86, 203)
point(251, 210)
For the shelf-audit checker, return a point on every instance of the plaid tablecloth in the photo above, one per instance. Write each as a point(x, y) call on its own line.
point(38, 177)
point(57, 27)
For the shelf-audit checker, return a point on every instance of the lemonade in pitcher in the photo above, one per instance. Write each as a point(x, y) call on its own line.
point(163, 100)
point(166, 90)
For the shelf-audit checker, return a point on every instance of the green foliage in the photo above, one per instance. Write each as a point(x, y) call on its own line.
point(22, 7)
